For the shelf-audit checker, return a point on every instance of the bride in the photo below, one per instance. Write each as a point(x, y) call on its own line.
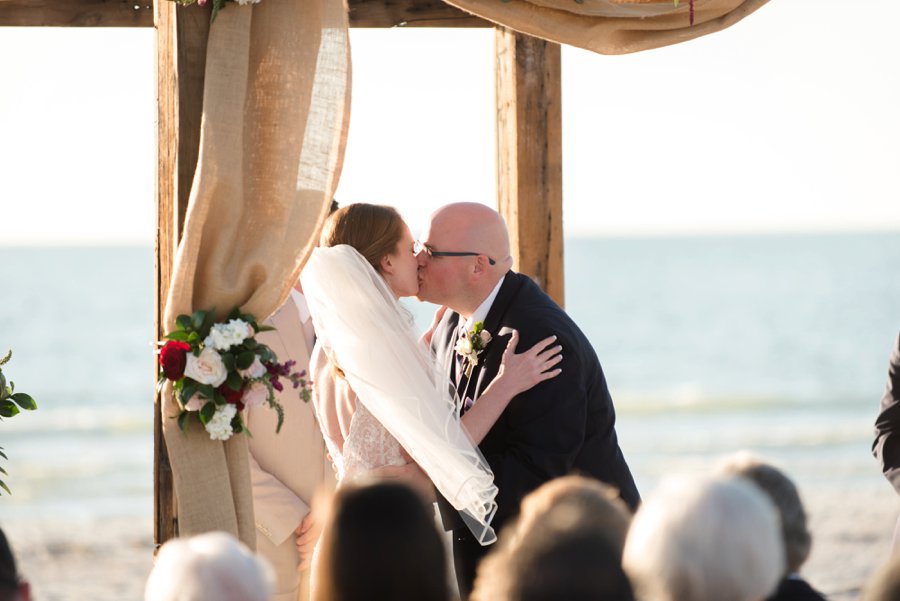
point(380, 398)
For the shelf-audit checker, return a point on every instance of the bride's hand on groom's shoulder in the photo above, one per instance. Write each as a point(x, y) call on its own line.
point(522, 371)
point(438, 315)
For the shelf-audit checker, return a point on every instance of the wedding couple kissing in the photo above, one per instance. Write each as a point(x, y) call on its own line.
point(501, 394)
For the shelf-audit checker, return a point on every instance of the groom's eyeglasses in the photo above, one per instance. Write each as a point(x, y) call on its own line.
point(418, 247)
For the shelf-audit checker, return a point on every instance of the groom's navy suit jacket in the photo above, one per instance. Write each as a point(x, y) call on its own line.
point(563, 425)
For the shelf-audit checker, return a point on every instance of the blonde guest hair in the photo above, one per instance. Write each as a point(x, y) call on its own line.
point(565, 515)
point(208, 567)
point(705, 539)
point(783, 493)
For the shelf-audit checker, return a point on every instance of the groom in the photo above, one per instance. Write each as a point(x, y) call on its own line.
point(562, 425)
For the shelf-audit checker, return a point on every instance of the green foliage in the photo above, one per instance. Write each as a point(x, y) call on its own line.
point(11, 404)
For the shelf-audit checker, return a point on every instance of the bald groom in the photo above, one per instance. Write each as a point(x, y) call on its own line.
point(563, 425)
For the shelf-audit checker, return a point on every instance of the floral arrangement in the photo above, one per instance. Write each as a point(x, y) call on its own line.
point(10, 403)
point(220, 368)
point(217, 5)
point(470, 345)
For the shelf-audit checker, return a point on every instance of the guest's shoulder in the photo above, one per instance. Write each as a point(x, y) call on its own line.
point(796, 589)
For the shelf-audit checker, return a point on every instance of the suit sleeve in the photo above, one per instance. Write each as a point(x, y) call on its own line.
point(545, 427)
point(277, 508)
point(887, 427)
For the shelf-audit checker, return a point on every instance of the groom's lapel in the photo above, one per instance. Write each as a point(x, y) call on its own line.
point(508, 290)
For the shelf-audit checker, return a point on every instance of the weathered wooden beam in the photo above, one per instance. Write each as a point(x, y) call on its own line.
point(410, 13)
point(181, 35)
point(76, 13)
point(529, 155)
point(139, 13)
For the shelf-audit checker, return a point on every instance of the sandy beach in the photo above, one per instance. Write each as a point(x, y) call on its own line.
point(109, 560)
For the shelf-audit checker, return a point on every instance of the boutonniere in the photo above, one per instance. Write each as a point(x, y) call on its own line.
point(470, 345)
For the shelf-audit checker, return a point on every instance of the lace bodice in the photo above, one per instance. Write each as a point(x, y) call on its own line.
point(368, 446)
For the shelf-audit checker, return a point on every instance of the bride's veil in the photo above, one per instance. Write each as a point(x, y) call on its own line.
point(365, 331)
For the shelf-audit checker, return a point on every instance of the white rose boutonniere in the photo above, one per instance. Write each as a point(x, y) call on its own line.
point(470, 345)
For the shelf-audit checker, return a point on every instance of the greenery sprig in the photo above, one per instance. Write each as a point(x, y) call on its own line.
point(10, 404)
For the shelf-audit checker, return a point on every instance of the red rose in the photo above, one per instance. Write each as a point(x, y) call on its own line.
point(173, 357)
point(233, 397)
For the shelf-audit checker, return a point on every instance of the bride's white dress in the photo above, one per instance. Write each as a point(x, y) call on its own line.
point(368, 446)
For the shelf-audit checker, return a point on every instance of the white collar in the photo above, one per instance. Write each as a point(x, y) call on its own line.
point(484, 308)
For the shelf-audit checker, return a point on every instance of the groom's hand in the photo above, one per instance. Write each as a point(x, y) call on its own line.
point(306, 541)
point(411, 475)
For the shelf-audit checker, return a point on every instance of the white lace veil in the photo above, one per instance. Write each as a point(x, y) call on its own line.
point(365, 331)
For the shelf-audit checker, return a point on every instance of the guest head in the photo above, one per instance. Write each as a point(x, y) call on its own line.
point(208, 567)
point(884, 585)
point(705, 540)
point(381, 236)
point(784, 495)
point(12, 586)
point(566, 544)
point(463, 281)
point(379, 541)
point(585, 502)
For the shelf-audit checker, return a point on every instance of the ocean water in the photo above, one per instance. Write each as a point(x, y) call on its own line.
point(777, 344)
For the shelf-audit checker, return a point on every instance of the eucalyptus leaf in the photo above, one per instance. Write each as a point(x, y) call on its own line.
point(197, 319)
point(207, 413)
point(207, 324)
point(182, 420)
point(234, 381)
point(245, 360)
point(8, 409)
point(24, 401)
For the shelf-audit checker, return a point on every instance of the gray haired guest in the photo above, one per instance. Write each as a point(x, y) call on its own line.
point(705, 539)
point(794, 533)
point(209, 567)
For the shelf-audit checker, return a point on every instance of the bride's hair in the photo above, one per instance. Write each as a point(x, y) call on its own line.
point(373, 230)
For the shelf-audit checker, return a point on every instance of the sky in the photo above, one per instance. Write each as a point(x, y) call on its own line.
point(786, 121)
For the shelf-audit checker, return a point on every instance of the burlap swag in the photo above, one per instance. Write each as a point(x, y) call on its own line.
point(275, 113)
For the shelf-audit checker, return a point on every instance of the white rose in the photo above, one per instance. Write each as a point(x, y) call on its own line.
point(219, 427)
point(466, 345)
point(256, 369)
point(207, 368)
point(255, 394)
point(485, 337)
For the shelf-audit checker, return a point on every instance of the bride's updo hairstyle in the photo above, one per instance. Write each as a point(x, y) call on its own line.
point(373, 230)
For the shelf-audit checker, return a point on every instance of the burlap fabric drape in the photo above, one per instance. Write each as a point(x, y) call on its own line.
point(612, 26)
point(275, 111)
